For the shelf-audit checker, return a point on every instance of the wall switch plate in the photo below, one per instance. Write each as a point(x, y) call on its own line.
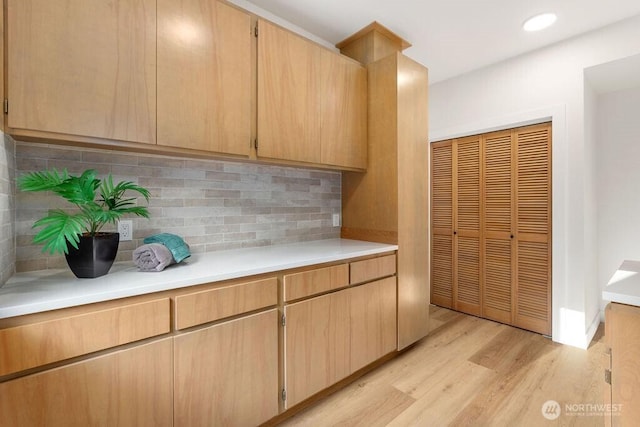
point(125, 228)
point(336, 220)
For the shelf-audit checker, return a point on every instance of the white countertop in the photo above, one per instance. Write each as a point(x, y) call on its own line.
point(624, 285)
point(38, 291)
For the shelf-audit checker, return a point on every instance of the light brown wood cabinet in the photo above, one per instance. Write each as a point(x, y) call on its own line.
point(227, 374)
point(329, 337)
point(343, 112)
point(622, 367)
point(209, 305)
point(316, 353)
point(85, 70)
point(204, 76)
point(387, 204)
point(128, 387)
point(211, 354)
point(313, 282)
point(372, 309)
point(491, 226)
point(167, 76)
point(70, 333)
point(311, 102)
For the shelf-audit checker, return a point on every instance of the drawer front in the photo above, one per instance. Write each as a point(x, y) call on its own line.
point(374, 268)
point(213, 304)
point(307, 283)
point(29, 346)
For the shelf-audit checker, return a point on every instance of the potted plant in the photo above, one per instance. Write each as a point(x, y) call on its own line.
point(89, 251)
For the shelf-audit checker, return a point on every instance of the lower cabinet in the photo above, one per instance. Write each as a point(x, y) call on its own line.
point(227, 374)
point(329, 337)
point(316, 352)
point(373, 322)
point(130, 387)
point(622, 335)
point(211, 355)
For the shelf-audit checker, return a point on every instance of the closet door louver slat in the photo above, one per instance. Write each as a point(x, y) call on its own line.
point(497, 231)
point(466, 289)
point(532, 294)
point(491, 226)
point(442, 224)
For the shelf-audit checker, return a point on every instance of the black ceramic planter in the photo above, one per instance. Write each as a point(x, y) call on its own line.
point(94, 256)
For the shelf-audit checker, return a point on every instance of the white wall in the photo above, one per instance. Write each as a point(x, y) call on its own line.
point(593, 295)
point(618, 178)
point(546, 83)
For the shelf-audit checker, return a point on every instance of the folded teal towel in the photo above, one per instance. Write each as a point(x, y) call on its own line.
point(179, 249)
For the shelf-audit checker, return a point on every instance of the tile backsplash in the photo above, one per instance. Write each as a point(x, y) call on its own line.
point(7, 208)
point(212, 204)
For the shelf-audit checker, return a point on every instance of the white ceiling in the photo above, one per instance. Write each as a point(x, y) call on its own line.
point(452, 37)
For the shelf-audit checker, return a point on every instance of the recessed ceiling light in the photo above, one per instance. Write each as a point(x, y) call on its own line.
point(539, 22)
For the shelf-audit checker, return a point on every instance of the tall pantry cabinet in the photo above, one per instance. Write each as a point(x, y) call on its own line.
point(389, 202)
point(491, 226)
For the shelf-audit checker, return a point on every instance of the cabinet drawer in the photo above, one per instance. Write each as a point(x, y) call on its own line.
point(307, 283)
point(369, 269)
point(27, 346)
point(213, 304)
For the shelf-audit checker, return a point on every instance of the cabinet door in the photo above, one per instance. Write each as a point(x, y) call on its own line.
point(498, 230)
point(373, 321)
point(442, 223)
point(83, 68)
point(317, 345)
point(466, 290)
point(533, 212)
point(227, 374)
point(623, 334)
point(130, 387)
point(289, 69)
point(204, 76)
point(343, 116)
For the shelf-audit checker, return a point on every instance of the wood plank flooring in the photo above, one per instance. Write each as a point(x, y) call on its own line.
point(470, 372)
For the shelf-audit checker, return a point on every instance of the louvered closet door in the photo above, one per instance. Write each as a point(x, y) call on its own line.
point(532, 292)
point(466, 190)
point(442, 223)
point(498, 243)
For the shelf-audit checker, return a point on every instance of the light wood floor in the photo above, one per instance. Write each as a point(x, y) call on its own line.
point(469, 371)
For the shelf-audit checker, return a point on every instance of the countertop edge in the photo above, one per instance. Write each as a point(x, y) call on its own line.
point(621, 298)
point(127, 270)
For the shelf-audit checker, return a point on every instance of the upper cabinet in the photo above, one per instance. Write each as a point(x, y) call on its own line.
point(82, 69)
point(311, 102)
point(180, 75)
point(288, 95)
point(204, 76)
point(343, 112)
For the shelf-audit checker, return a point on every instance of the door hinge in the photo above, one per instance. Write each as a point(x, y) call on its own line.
point(607, 376)
point(255, 30)
point(283, 395)
point(6, 106)
point(283, 320)
point(255, 143)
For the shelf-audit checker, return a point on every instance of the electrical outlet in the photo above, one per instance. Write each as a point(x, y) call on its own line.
point(336, 220)
point(125, 228)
